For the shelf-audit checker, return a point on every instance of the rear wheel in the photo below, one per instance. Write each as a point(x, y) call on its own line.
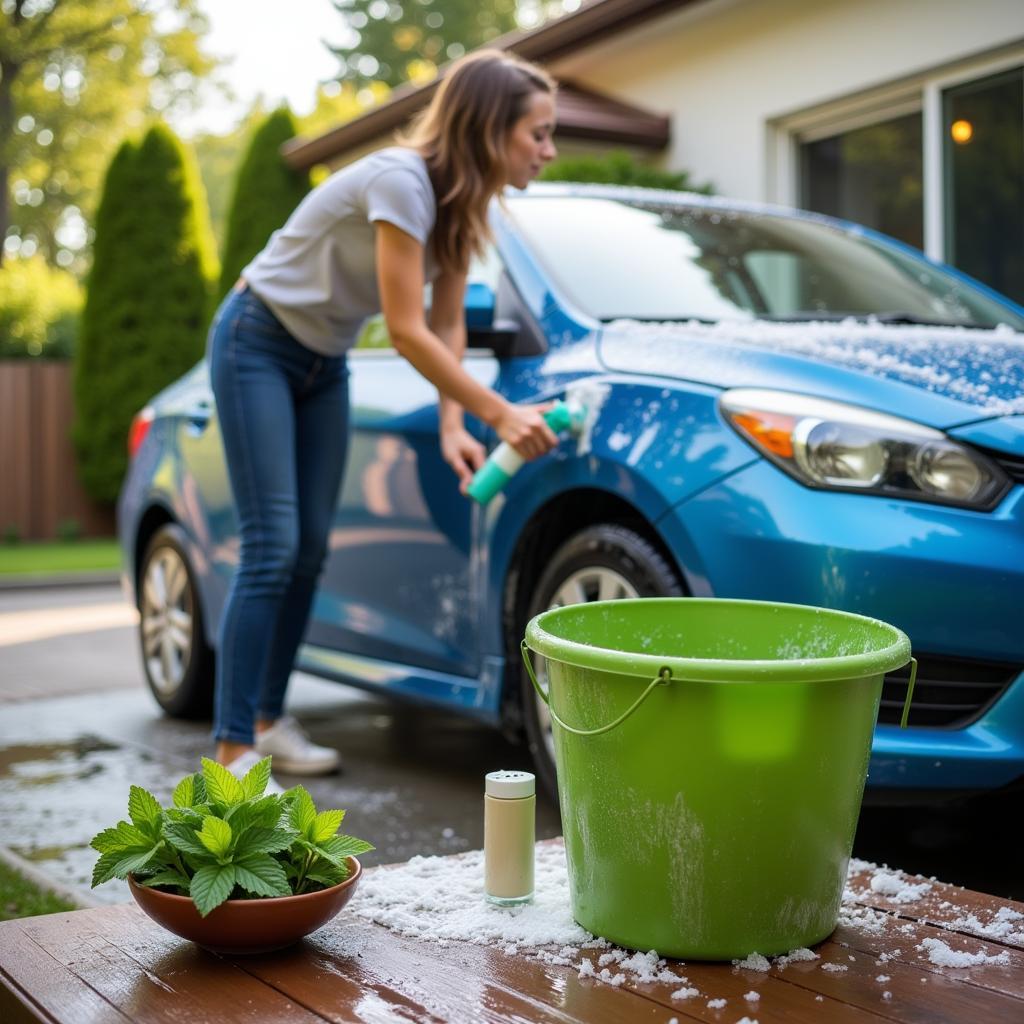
point(600, 563)
point(176, 657)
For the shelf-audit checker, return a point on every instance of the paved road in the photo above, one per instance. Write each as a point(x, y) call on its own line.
point(77, 726)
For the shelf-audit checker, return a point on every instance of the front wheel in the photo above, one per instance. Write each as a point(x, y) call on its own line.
point(600, 563)
point(176, 657)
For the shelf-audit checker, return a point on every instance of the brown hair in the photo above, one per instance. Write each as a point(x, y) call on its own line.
point(461, 136)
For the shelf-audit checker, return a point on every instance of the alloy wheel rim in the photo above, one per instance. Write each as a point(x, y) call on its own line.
point(167, 615)
point(593, 583)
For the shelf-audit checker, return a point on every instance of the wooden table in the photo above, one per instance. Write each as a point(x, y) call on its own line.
point(114, 964)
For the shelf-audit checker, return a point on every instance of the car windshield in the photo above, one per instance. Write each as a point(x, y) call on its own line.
point(619, 258)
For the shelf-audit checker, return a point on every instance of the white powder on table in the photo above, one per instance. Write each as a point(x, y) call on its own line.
point(942, 955)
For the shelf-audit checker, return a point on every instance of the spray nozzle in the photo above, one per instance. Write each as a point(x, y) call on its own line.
point(504, 461)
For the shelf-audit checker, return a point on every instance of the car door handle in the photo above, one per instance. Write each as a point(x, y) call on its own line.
point(198, 417)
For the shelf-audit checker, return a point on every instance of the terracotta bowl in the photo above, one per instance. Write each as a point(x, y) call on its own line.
point(247, 926)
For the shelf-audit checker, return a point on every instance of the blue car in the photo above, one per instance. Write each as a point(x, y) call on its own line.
point(782, 406)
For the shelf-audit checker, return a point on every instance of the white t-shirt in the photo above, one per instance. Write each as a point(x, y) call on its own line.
point(318, 273)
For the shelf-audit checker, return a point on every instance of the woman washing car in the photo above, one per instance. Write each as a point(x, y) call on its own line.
point(366, 240)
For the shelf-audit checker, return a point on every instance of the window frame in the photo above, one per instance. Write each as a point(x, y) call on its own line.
point(922, 93)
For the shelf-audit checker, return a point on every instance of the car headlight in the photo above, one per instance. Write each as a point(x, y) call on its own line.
point(842, 447)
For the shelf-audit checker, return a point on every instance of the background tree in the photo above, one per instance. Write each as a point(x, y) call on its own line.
point(74, 76)
point(266, 192)
point(148, 298)
point(394, 42)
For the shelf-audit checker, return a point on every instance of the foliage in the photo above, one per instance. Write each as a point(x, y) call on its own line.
point(148, 298)
point(224, 839)
point(54, 558)
point(218, 157)
point(75, 77)
point(618, 168)
point(397, 42)
point(21, 898)
point(266, 192)
point(39, 309)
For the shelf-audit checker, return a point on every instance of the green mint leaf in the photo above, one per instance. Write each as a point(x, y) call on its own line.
point(337, 848)
point(265, 840)
point(122, 837)
point(256, 778)
point(184, 816)
point(143, 808)
point(261, 875)
point(134, 862)
point(326, 825)
point(170, 877)
point(199, 794)
point(221, 786)
point(184, 839)
point(211, 886)
point(216, 836)
point(303, 812)
point(103, 870)
point(328, 876)
point(185, 792)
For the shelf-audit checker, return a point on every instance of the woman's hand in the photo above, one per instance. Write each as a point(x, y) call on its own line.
point(463, 452)
point(523, 427)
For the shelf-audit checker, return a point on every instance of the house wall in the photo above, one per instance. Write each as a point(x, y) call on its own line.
point(728, 70)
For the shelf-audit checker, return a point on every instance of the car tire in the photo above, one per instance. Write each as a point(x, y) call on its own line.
point(603, 562)
point(176, 658)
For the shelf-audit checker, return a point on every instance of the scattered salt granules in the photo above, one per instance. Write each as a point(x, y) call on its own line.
point(887, 994)
point(943, 955)
point(746, 1020)
point(882, 979)
point(751, 997)
point(716, 1004)
point(685, 993)
point(896, 888)
point(437, 898)
point(1004, 925)
point(834, 968)
point(796, 956)
point(753, 962)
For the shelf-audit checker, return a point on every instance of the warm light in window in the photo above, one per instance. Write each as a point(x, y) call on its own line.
point(961, 131)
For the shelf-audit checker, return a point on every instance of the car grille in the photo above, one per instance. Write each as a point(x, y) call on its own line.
point(1012, 465)
point(949, 693)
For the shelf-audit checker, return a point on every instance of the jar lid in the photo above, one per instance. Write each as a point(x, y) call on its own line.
point(510, 785)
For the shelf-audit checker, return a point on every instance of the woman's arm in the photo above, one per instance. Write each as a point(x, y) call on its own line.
point(400, 279)
point(463, 452)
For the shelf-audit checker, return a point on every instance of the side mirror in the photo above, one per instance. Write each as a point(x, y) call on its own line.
point(500, 337)
point(479, 305)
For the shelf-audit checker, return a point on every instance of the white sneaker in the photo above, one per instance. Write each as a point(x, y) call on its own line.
point(241, 765)
point(294, 753)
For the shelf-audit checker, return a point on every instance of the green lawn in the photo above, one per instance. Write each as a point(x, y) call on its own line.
point(30, 559)
point(20, 898)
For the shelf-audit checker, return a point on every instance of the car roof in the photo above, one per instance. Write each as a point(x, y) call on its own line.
point(670, 197)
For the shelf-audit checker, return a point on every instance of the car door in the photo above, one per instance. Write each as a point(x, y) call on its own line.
point(400, 583)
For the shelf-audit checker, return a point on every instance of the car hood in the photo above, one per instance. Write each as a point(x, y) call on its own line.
point(940, 376)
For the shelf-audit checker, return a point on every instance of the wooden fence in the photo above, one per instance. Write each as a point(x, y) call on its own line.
point(39, 488)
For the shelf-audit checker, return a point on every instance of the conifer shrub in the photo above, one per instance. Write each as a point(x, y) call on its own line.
point(148, 298)
point(618, 168)
point(266, 192)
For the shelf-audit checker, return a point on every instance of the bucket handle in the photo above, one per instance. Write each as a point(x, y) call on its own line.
point(910, 693)
point(663, 677)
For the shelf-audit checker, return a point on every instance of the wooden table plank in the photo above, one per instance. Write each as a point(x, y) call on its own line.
point(335, 971)
point(153, 976)
point(34, 986)
point(114, 965)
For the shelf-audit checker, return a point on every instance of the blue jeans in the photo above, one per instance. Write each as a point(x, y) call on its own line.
point(283, 412)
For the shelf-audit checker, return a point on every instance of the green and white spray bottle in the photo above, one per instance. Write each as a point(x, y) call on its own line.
point(504, 461)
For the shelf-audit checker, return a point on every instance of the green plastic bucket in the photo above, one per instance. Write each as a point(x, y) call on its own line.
point(711, 758)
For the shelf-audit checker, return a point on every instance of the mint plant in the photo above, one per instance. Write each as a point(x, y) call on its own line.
point(224, 839)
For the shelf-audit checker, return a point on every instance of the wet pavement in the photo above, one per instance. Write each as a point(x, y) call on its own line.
point(78, 727)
